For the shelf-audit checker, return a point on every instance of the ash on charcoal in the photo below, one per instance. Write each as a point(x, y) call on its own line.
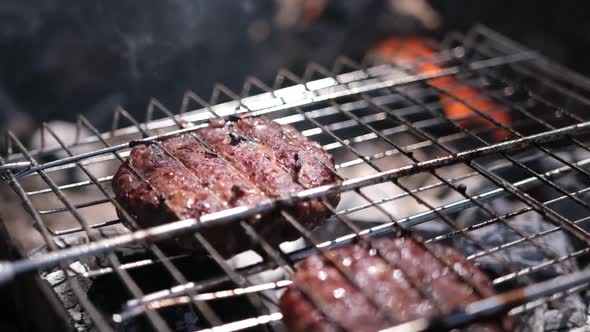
point(100, 260)
point(559, 315)
point(56, 279)
point(519, 256)
point(108, 294)
point(562, 315)
point(525, 254)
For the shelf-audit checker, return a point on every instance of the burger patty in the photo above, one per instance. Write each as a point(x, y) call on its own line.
point(393, 288)
point(244, 162)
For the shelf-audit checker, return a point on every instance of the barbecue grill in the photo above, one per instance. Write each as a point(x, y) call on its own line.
point(510, 195)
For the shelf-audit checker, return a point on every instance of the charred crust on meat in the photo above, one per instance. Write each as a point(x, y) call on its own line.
point(402, 232)
point(462, 188)
point(237, 193)
point(233, 118)
point(358, 240)
point(138, 142)
point(236, 138)
point(211, 154)
point(296, 166)
point(161, 200)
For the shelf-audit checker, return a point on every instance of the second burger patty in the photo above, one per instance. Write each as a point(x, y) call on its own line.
point(395, 289)
point(251, 160)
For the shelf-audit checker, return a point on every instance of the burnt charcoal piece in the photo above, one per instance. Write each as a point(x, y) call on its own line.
point(241, 163)
point(351, 308)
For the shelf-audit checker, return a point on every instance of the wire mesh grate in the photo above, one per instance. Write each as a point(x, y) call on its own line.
point(488, 154)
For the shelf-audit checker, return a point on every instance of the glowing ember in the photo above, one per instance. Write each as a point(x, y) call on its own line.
point(413, 50)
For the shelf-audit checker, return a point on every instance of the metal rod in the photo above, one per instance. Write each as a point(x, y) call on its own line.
point(155, 319)
point(254, 101)
point(136, 307)
point(312, 132)
point(488, 307)
point(307, 133)
point(245, 323)
point(414, 220)
point(232, 96)
point(343, 270)
point(495, 305)
point(410, 221)
point(9, 269)
point(209, 315)
point(484, 308)
point(316, 99)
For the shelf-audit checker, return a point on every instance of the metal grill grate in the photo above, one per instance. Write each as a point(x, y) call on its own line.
point(405, 166)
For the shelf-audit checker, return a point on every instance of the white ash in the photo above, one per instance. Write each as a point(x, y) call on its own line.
point(57, 279)
point(519, 256)
point(559, 315)
point(563, 315)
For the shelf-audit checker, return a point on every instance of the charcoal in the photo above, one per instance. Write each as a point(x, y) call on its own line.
point(519, 256)
point(561, 315)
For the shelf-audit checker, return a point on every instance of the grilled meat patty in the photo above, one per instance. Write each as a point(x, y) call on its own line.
point(243, 162)
point(392, 288)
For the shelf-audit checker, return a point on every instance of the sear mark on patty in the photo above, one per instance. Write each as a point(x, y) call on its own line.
point(238, 171)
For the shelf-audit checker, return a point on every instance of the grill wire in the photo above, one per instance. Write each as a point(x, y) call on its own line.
point(393, 146)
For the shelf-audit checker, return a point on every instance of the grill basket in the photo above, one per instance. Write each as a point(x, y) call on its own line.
point(506, 185)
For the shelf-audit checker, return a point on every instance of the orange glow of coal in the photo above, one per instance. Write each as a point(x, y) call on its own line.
point(312, 10)
point(415, 51)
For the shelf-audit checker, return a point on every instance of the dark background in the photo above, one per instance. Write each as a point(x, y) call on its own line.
point(60, 58)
